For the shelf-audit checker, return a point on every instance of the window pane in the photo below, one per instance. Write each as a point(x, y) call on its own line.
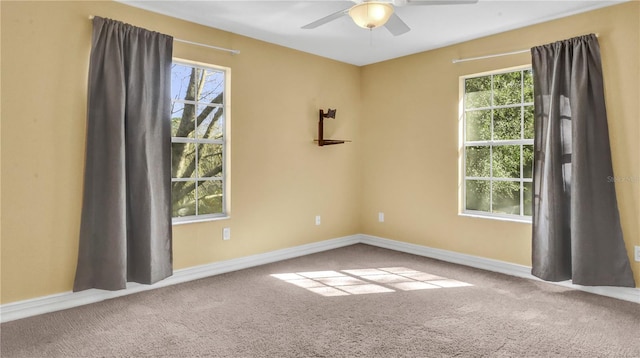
point(499, 110)
point(180, 79)
point(183, 120)
point(528, 199)
point(183, 201)
point(210, 160)
point(477, 195)
point(210, 122)
point(477, 92)
point(210, 197)
point(506, 161)
point(197, 113)
point(211, 86)
point(477, 161)
point(183, 160)
point(506, 123)
point(478, 125)
point(528, 86)
point(506, 197)
point(528, 122)
point(507, 88)
point(527, 161)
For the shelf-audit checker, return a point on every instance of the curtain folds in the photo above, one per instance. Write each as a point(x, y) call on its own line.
point(576, 224)
point(125, 232)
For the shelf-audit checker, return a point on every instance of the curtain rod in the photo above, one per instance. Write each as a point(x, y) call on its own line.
point(233, 52)
point(494, 55)
point(489, 56)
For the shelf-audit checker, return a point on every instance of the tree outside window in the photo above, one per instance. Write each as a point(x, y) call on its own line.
point(498, 144)
point(198, 142)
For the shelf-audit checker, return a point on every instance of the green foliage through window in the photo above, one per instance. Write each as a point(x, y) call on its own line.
point(498, 143)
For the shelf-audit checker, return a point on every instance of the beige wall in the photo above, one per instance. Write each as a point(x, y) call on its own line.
point(280, 179)
point(410, 134)
point(401, 115)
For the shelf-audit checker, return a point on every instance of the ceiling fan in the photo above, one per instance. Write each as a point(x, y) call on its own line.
point(370, 14)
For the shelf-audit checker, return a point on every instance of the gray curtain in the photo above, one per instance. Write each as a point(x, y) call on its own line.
point(125, 232)
point(576, 224)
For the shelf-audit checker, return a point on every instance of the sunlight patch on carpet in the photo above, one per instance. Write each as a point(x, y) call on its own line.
point(367, 281)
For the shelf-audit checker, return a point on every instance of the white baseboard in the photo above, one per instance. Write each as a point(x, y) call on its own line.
point(27, 308)
point(621, 293)
point(449, 256)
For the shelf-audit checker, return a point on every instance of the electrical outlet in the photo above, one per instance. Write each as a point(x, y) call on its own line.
point(317, 219)
point(381, 217)
point(226, 233)
point(637, 253)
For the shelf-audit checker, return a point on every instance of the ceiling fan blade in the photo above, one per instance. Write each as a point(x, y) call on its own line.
point(326, 19)
point(396, 26)
point(437, 2)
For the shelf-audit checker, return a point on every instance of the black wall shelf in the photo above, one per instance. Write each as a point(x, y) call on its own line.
point(331, 113)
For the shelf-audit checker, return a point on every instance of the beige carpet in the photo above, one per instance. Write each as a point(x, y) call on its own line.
point(357, 301)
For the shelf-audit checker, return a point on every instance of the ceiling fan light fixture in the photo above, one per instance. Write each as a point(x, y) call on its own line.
point(371, 14)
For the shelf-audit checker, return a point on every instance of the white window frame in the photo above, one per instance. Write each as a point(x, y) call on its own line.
point(491, 143)
point(226, 155)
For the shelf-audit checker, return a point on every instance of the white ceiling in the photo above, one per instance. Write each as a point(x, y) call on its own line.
point(432, 26)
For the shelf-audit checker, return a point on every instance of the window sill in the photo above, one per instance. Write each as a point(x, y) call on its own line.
point(524, 220)
point(201, 220)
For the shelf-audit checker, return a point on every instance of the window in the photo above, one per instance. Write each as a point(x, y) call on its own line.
point(498, 144)
point(198, 141)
